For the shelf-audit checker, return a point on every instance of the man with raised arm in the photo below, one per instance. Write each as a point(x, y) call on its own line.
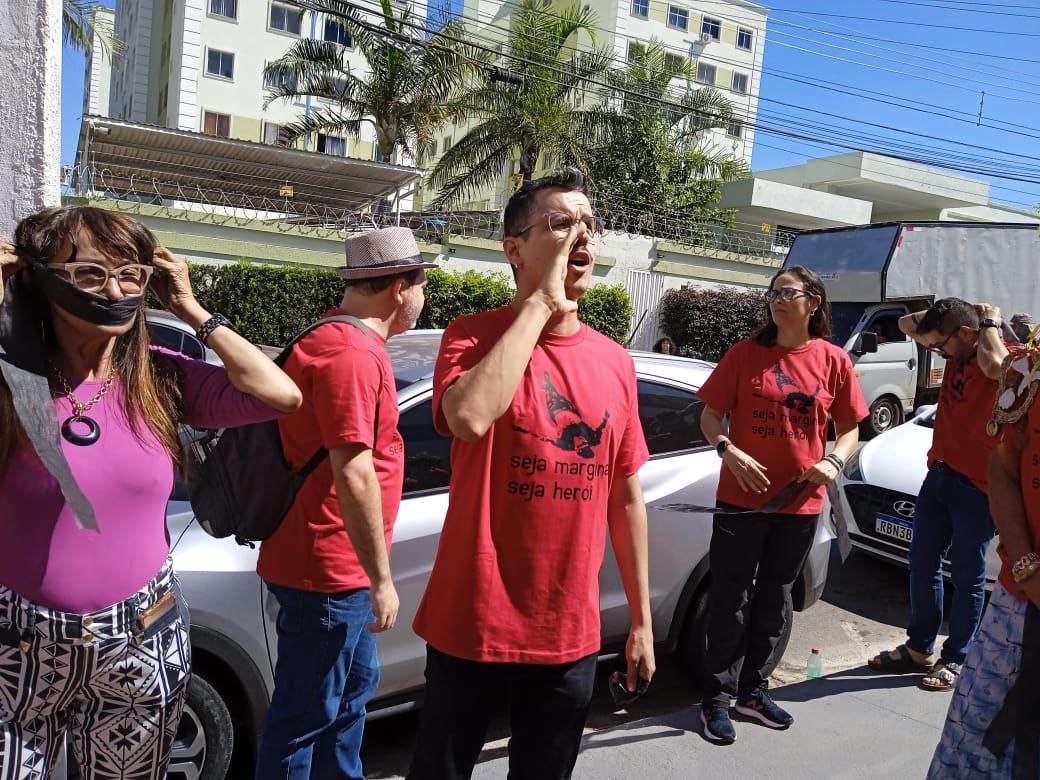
point(547, 449)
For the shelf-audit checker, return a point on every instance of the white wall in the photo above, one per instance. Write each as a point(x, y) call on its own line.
point(30, 111)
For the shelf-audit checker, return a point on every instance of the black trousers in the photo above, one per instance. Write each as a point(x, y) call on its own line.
point(755, 560)
point(547, 710)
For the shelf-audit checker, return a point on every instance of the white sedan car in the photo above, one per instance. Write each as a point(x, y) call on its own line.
point(232, 629)
point(879, 487)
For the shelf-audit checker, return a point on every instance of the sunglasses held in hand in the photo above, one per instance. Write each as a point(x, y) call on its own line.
point(619, 692)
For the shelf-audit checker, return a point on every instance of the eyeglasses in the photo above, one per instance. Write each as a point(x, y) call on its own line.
point(940, 348)
point(785, 294)
point(132, 278)
point(561, 223)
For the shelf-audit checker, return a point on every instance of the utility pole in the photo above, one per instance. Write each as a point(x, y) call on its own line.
point(30, 109)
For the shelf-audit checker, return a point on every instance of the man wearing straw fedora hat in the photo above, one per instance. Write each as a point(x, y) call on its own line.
point(547, 449)
point(328, 563)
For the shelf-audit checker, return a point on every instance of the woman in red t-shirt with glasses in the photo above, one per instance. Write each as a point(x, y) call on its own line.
point(779, 389)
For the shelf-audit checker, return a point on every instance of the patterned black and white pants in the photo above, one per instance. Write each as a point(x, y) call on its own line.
point(118, 690)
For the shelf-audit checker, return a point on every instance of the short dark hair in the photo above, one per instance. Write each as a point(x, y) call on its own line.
point(518, 210)
point(819, 324)
point(376, 284)
point(948, 314)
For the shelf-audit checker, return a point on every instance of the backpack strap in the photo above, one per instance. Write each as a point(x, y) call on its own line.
point(315, 460)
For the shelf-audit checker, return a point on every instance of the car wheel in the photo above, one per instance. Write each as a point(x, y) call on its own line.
point(205, 738)
point(691, 654)
point(885, 414)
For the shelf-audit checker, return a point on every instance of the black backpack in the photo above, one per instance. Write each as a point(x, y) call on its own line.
point(238, 480)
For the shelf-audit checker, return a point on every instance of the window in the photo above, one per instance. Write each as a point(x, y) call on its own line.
point(427, 454)
point(740, 83)
point(220, 64)
point(885, 326)
point(176, 340)
point(744, 38)
point(735, 129)
point(285, 18)
point(225, 8)
point(673, 61)
point(336, 32)
point(711, 27)
point(377, 154)
point(274, 80)
point(216, 124)
point(671, 418)
point(705, 73)
point(332, 144)
point(641, 8)
point(678, 17)
point(273, 134)
point(635, 50)
point(446, 144)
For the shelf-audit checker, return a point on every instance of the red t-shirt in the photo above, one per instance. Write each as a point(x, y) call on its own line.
point(965, 405)
point(516, 577)
point(348, 389)
point(1030, 485)
point(779, 401)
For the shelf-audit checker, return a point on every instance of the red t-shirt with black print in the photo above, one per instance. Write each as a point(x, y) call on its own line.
point(779, 401)
point(965, 405)
point(516, 578)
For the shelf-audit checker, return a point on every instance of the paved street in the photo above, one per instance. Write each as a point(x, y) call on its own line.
point(862, 611)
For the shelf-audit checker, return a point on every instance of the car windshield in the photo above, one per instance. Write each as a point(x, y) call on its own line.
point(413, 356)
point(844, 317)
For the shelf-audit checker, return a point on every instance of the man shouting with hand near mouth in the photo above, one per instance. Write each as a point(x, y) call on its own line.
point(547, 449)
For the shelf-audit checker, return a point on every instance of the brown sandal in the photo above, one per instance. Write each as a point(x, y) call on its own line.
point(887, 662)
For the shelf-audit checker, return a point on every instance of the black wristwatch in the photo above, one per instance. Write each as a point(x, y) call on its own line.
point(988, 323)
point(721, 447)
point(210, 325)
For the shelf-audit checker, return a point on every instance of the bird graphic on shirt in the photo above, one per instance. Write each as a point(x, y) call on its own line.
point(798, 399)
point(782, 379)
point(573, 433)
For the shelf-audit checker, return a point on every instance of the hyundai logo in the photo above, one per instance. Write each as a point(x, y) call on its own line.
point(904, 508)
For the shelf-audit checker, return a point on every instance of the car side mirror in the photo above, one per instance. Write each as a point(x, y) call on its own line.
point(865, 343)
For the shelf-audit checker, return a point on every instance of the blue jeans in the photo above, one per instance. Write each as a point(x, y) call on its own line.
point(951, 519)
point(327, 672)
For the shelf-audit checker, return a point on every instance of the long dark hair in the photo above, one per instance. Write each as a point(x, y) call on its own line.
point(819, 323)
point(151, 389)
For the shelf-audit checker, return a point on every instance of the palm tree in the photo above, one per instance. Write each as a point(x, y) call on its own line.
point(527, 107)
point(78, 26)
point(654, 160)
point(404, 95)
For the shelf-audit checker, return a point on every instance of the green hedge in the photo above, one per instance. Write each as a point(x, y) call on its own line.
point(706, 323)
point(270, 304)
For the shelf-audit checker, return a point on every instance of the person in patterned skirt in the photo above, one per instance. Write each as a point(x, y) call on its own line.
point(93, 628)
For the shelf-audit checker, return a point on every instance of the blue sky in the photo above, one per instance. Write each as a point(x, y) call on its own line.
point(813, 59)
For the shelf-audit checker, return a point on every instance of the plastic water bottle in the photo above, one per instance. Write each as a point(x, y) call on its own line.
point(814, 665)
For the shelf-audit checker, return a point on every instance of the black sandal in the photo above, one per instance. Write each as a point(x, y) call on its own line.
point(887, 663)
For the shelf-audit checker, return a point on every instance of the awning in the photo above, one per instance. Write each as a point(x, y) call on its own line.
point(148, 160)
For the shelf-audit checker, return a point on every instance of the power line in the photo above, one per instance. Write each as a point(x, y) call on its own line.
point(1016, 33)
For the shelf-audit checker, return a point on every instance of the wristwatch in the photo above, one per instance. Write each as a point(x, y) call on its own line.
point(721, 447)
point(988, 323)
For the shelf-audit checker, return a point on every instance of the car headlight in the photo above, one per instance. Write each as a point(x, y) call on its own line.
point(852, 468)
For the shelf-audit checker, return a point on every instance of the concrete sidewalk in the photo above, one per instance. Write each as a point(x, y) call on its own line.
point(852, 724)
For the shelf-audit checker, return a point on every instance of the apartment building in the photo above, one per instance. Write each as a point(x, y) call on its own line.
point(197, 65)
point(725, 39)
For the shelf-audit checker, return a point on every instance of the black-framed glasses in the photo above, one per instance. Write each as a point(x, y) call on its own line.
point(785, 294)
point(560, 223)
point(940, 348)
point(132, 278)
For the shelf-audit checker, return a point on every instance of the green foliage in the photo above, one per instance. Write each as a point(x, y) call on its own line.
point(651, 160)
point(451, 295)
point(403, 96)
point(706, 323)
point(608, 309)
point(537, 120)
point(270, 304)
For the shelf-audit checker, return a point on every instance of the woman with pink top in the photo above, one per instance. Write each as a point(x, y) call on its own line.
point(93, 630)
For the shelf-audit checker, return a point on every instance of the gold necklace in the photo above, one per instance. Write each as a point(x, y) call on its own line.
point(78, 408)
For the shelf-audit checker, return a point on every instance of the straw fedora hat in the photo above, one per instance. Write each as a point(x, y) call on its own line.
point(382, 253)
